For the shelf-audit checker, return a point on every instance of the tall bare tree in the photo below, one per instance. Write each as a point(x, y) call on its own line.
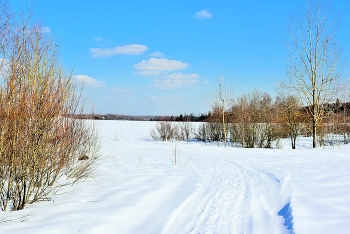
point(314, 65)
point(222, 101)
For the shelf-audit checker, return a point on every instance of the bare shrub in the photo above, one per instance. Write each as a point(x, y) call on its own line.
point(201, 133)
point(254, 135)
point(39, 144)
point(215, 132)
point(175, 156)
point(333, 134)
point(185, 130)
point(344, 130)
point(165, 131)
point(291, 113)
point(251, 124)
point(326, 135)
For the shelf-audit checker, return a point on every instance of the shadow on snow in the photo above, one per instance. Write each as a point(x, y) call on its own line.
point(286, 213)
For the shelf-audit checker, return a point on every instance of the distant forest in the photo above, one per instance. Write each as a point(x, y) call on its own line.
point(338, 108)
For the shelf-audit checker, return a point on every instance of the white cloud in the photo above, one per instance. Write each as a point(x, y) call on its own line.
point(204, 14)
point(133, 49)
point(176, 80)
point(45, 29)
point(88, 81)
point(160, 64)
point(157, 54)
point(147, 73)
point(206, 82)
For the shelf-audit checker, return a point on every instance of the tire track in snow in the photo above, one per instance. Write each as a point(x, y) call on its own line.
point(232, 198)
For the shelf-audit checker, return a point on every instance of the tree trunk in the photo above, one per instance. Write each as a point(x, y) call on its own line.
point(314, 132)
point(223, 122)
point(314, 109)
point(293, 139)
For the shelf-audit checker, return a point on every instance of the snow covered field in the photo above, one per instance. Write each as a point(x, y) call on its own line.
point(212, 189)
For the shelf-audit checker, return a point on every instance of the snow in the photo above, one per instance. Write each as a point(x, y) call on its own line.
point(137, 189)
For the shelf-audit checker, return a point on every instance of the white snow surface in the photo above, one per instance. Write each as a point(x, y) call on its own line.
point(136, 189)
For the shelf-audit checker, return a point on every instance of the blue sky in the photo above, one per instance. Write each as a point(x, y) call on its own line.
point(163, 57)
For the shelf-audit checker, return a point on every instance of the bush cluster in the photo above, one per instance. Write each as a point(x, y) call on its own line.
point(171, 131)
point(40, 146)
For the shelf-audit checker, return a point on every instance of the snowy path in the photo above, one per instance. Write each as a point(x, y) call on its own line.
point(223, 202)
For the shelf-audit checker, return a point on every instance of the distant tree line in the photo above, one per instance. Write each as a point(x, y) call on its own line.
point(180, 118)
point(184, 118)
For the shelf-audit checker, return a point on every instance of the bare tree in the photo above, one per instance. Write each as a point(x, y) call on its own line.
point(222, 100)
point(314, 67)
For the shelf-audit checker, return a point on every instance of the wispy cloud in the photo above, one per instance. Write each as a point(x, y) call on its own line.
point(147, 73)
point(133, 49)
point(157, 98)
point(120, 93)
point(178, 75)
point(97, 38)
point(45, 29)
point(88, 81)
point(157, 54)
point(160, 64)
point(176, 80)
point(173, 84)
point(118, 90)
point(204, 14)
